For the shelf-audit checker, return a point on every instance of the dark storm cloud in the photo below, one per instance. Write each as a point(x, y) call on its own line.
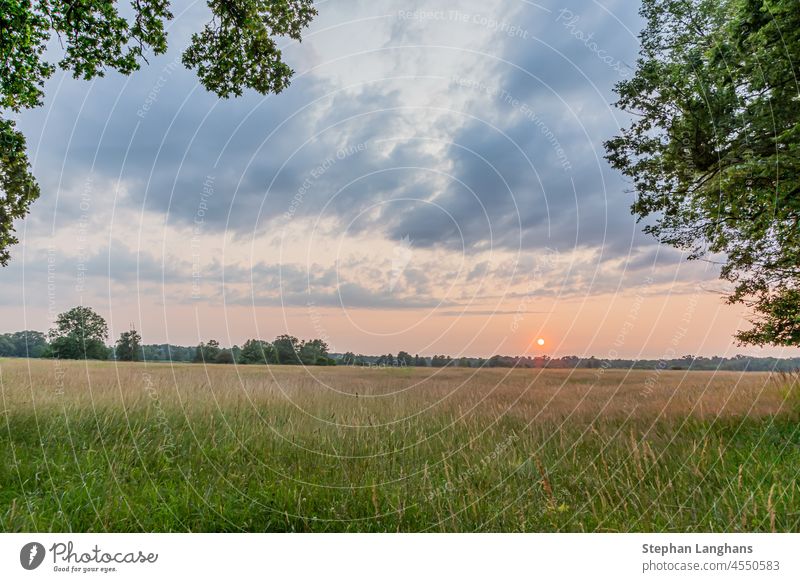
point(538, 178)
point(258, 152)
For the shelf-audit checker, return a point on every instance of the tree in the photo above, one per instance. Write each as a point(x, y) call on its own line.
point(351, 359)
point(23, 344)
point(128, 348)
point(256, 351)
point(224, 357)
point(79, 334)
point(287, 349)
point(714, 149)
point(385, 360)
point(440, 361)
point(7, 348)
point(314, 353)
point(168, 353)
point(234, 51)
point(404, 359)
point(207, 352)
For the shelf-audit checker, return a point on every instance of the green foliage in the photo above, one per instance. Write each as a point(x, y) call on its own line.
point(168, 353)
point(256, 351)
point(224, 357)
point(79, 334)
point(73, 348)
point(351, 359)
point(236, 50)
point(82, 321)
point(23, 344)
point(441, 361)
point(780, 322)
point(16, 183)
point(314, 353)
point(385, 360)
point(128, 348)
point(7, 348)
point(714, 149)
point(287, 349)
point(207, 352)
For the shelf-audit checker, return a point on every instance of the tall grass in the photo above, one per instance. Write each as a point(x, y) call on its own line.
point(135, 447)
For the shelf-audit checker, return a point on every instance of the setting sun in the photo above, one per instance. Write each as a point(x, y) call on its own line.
point(540, 341)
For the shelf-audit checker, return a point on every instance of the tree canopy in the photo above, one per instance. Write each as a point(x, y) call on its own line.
point(713, 150)
point(23, 344)
point(256, 351)
point(236, 50)
point(207, 352)
point(129, 346)
point(79, 334)
point(287, 349)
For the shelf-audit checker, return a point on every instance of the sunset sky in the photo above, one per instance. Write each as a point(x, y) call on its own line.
point(432, 181)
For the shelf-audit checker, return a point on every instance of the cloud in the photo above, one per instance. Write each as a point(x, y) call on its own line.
point(468, 131)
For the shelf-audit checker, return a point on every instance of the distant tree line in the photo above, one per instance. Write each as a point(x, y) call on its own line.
point(23, 344)
point(688, 362)
point(81, 333)
point(285, 349)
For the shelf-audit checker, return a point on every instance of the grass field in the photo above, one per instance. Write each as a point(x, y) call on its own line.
point(134, 447)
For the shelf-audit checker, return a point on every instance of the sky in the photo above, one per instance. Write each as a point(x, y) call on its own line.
point(432, 181)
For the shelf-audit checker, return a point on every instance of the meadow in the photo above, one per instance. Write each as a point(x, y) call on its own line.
point(104, 446)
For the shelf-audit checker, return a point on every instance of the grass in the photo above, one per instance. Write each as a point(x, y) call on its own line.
point(134, 447)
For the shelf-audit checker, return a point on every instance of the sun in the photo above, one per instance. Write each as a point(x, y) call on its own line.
point(540, 341)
